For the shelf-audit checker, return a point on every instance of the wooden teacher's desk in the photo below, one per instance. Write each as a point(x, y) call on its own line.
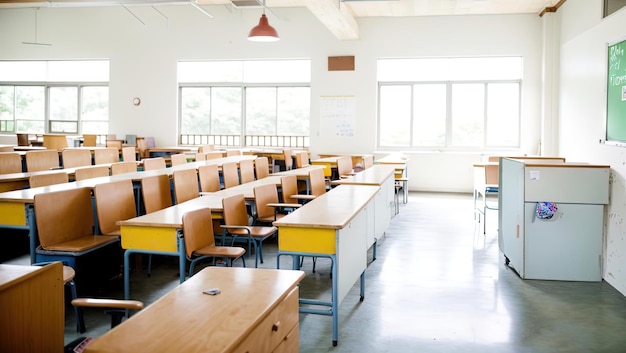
point(336, 226)
point(256, 311)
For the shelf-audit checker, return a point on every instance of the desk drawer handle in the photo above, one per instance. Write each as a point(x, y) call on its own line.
point(275, 326)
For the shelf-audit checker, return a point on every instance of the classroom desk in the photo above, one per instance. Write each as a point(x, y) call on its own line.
point(356, 158)
point(335, 226)
point(160, 232)
point(186, 320)
point(382, 176)
point(328, 163)
point(167, 151)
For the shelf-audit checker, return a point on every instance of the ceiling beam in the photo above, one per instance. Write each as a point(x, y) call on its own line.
point(335, 17)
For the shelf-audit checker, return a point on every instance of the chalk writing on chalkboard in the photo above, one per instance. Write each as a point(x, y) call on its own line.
point(616, 93)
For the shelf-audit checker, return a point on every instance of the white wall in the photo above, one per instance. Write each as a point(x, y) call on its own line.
point(143, 64)
point(585, 37)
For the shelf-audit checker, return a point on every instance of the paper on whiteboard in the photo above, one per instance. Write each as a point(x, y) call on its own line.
point(338, 116)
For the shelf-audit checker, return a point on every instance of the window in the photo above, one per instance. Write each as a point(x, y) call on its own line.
point(454, 103)
point(251, 103)
point(54, 96)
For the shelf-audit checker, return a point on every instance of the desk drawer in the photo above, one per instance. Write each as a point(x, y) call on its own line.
point(291, 343)
point(274, 328)
point(150, 238)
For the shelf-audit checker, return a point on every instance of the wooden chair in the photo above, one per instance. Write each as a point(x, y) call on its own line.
point(6, 149)
point(214, 155)
point(10, 162)
point(268, 205)
point(302, 159)
point(90, 140)
point(178, 159)
point(488, 190)
point(230, 174)
point(115, 201)
point(73, 236)
point(95, 171)
point(185, 185)
point(344, 166)
point(142, 147)
point(200, 157)
point(231, 153)
point(123, 168)
point(261, 167)
point(154, 163)
point(317, 182)
point(55, 142)
point(288, 159)
point(206, 148)
point(236, 225)
point(246, 171)
point(42, 160)
point(39, 180)
point(209, 176)
point(156, 193)
point(22, 140)
point(117, 144)
point(200, 240)
point(106, 155)
point(74, 157)
point(129, 154)
point(289, 190)
point(368, 161)
point(117, 308)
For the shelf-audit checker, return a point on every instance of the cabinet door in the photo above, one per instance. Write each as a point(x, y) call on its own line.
point(566, 247)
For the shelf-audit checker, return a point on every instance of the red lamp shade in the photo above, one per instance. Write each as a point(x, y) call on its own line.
point(263, 32)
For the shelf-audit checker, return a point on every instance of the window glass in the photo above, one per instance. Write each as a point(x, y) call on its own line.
point(429, 115)
point(395, 115)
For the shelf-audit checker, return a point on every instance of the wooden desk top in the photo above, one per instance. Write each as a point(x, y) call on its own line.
point(186, 320)
point(175, 149)
point(299, 172)
point(326, 160)
point(10, 274)
point(392, 159)
point(334, 210)
point(374, 175)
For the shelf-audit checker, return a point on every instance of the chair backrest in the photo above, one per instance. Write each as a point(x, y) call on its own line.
point(129, 154)
point(198, 230)
point(368, 161)
point(302, 159)
point(154, 163)
point(230, 174)
point(106, 155)
point(114, 144)
point(142, 147)
point(22, 140)
point(6, 149)
point(95, 171)
point(74, 157)
point(288, 159)
point(38, 180)
point(492, 174)
point(209, 176)
point(214, 155)
point(233, 153)
point(205, 148)
point(200, 157)
point(261, 166)
point(73, 206)
point(42, 160)
point(90, 140)
point(289, 187)
point(131, 140)
point(156, 192)
point(264, 194)
point(123, 167)
point(185, 185)
point(234, 209)
point(344, 166)
point(55, 142)
point(10, 162)
point(246, 170)
point(178, 159)
point(317, 182)
point(115, 202)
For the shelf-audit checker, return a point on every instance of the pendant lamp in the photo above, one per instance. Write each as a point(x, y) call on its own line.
point(263, 32)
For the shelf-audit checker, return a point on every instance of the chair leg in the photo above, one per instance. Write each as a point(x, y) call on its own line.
point(80, 322)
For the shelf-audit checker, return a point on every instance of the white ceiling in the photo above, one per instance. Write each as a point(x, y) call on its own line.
point(339, 16)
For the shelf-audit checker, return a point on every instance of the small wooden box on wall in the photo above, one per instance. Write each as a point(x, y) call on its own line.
point(341, 63)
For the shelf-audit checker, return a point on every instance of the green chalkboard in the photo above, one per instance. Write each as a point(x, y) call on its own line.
point(616, 93)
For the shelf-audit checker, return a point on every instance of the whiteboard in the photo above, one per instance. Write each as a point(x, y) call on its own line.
point(338, 116)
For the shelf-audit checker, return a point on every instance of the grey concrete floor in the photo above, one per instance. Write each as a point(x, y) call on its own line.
point(438, 285)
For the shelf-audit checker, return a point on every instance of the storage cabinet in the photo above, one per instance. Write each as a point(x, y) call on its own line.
point(567, 246)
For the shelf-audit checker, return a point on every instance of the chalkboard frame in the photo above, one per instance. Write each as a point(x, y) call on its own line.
point(616, 93)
